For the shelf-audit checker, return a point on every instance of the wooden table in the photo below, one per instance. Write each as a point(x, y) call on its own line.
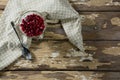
point(101, 32)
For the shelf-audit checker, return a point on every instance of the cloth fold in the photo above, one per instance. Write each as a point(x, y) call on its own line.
point(57, 9)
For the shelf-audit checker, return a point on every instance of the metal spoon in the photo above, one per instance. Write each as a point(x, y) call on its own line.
point(26, 52)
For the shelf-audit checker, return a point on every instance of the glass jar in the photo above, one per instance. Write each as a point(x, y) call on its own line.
point(33, 24)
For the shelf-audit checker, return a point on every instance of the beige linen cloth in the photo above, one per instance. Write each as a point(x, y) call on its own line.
point(57, 9)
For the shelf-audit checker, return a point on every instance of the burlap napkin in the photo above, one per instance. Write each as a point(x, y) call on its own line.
point(57, 9)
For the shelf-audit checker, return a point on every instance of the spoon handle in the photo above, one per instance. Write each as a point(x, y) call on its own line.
point(25, 51)
point(13, 25)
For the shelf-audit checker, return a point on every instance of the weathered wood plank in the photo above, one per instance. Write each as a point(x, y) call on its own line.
point(96, 26)
point(87, 5)
point(96, 5)
point(59, 75)
point(96, 2)
point(55, 55)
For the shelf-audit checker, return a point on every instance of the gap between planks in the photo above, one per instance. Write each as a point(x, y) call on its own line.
point(69, 70)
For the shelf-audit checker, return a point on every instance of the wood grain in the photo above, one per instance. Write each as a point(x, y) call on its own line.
point(101, 34)
point(57, 55)
point(59, 75)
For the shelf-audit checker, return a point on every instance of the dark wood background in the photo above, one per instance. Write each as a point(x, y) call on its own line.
point(101, 33)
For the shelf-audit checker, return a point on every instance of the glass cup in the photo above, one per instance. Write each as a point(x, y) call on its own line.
point(33, 24)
